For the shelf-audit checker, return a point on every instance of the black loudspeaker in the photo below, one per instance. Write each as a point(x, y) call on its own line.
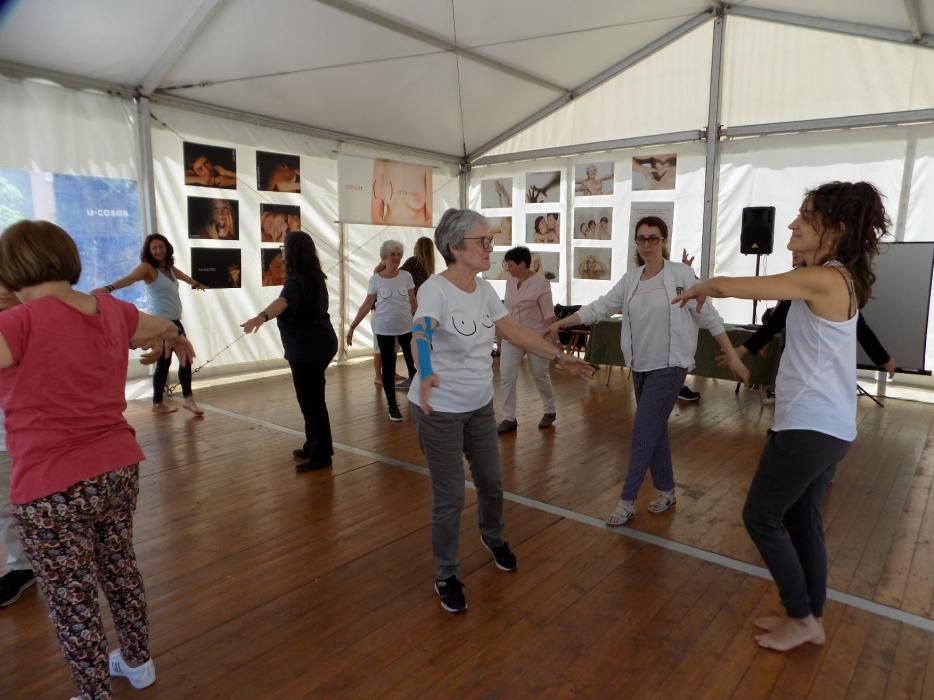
point(758, 231)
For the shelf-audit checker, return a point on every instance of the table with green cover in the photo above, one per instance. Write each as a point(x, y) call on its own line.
point(604, 349)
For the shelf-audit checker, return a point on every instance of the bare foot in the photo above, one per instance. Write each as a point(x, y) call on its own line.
point(789, 633)
point(378, 381)
point(190, 405)
point(162, 408)
point(768, 623)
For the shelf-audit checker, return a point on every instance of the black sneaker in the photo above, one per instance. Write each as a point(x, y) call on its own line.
point(395, 415)
point(502, 555)
point(687, 395)
point(451, 593)
point(300, 453)
point(313, 465)
point(12, 585)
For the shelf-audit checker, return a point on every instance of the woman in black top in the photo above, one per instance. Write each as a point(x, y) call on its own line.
point(309, 341)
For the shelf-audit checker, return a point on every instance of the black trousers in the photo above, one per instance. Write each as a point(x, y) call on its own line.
point(161, 376)
point(387, 350)
point(785, 497)
point(308, 378)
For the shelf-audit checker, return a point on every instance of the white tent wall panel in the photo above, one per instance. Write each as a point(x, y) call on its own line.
point(111, 40)
point(664, 93)
point(48, 129)
point(775, 73)
point(777, 171)
point(378, 100)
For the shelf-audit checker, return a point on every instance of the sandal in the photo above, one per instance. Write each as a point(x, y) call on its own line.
point(664, 501)
point(622, 514)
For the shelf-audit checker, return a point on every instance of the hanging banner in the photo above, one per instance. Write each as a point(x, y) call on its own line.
point(383, 192)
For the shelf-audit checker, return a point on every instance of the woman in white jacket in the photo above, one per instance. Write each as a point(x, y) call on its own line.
point(658, 341)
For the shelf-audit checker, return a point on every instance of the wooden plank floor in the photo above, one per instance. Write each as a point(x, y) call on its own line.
point(263, 583)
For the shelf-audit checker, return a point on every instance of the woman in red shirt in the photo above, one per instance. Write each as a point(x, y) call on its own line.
point(74, 476)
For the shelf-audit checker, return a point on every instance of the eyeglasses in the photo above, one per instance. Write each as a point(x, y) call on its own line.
point(650, 240)
point(485, 241)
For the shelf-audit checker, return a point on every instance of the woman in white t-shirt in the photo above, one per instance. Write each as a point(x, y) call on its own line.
point(452, 396)
point(836, 234)
point(394, 290)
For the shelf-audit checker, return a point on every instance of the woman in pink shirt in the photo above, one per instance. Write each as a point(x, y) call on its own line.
point(528, 300)
point(74, 476)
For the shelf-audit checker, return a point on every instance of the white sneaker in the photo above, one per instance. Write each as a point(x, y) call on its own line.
point(140, 677)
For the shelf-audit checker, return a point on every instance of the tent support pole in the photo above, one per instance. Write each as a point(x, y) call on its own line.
point(712, 161)
point(147, 180)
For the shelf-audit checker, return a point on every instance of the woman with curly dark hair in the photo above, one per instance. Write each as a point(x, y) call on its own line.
point(836, 234)
point(157, 269)
point(309, 341)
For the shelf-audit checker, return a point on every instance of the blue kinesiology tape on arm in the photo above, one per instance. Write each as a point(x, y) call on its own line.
point(421, 334)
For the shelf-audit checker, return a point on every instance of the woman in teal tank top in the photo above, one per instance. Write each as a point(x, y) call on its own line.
point(157, 269)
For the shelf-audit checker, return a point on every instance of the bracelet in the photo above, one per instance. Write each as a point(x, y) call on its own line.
point(263, 315)
point(109, 287)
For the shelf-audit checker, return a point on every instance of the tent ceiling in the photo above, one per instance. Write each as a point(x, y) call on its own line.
point(325, 63)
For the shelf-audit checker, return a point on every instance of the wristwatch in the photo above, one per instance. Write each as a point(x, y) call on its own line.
point(263, 315)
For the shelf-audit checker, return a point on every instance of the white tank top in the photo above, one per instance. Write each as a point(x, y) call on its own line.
point(816, 384)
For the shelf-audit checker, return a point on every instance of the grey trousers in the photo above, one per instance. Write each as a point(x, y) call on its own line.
point(783, 514)
point(656, 393)
point(445, 438)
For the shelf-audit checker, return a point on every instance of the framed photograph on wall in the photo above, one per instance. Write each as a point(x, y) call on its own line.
point(656, 172)
point(593, 223)
point(215, 219)
point(593, 263)
point(501, 230)
point(547, 264)
point(273, 267)
point(497, 269)
point(218, 268)
point(593, 179)
point(210, 166)
point(543, 187)
point(543, 227)
point(496, 193)
point(278, 172)
point(276, 220)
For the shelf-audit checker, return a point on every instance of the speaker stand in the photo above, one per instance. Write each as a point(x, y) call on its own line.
point(862, 392)
point(755, 302)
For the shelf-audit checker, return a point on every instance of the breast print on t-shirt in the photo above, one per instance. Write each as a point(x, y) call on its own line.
point(467, 326)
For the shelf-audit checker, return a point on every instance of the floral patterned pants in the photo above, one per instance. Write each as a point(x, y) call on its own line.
point(76, 539)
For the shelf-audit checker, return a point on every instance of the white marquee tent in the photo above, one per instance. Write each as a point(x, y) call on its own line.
point(795, 93)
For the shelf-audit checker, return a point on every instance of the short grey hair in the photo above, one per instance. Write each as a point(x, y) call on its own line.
point(454, 226)
point(388, 246)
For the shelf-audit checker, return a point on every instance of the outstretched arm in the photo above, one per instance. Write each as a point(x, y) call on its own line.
point(188, 280)
point(144, 272)
point(521, 336)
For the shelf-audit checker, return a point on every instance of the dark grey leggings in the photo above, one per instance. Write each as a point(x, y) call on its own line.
point(785, 497)
point(161, 376)
point(387, 350)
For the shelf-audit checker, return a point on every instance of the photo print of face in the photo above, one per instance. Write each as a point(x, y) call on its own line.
point(210, 166)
